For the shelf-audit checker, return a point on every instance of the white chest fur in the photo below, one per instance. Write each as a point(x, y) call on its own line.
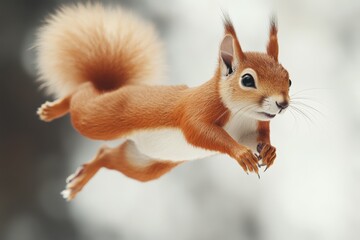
point(167, 144)
point(243, 129)
point(170, 143)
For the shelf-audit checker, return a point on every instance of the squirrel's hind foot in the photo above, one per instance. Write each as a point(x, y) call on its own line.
point(76, 181)
point(49, 111)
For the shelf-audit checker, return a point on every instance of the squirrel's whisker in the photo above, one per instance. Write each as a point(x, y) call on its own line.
point(302, 113)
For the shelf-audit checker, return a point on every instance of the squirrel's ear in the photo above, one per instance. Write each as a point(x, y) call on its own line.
point(273, 46)
point(227, 57)
point(230, 50)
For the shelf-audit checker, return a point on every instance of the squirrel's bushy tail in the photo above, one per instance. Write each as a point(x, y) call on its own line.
point(108, 46)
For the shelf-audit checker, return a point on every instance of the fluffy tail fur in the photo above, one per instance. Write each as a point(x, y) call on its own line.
point(109, 47)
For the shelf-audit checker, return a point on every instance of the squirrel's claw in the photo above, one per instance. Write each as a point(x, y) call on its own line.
point(267, 154)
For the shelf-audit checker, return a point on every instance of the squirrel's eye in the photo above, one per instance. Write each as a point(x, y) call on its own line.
point(248, 81)
point(290, 83)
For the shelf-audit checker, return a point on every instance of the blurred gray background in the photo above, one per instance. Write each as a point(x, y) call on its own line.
point(312, 191)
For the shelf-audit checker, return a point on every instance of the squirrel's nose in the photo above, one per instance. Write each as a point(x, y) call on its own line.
point(282, 105)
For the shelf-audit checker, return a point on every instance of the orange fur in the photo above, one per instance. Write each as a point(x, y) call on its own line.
point(273, 46)
point(264, 132)
point(107, 100)
point(125, 159)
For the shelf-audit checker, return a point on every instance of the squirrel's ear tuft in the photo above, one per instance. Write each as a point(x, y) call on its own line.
point(230, 50)
point(273, 46)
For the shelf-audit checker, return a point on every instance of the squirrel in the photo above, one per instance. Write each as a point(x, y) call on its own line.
point(101, 64)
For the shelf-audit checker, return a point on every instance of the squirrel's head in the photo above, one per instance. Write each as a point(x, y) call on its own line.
point(250, 82)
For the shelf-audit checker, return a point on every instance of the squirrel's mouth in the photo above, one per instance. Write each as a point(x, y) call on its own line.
point(268, 115)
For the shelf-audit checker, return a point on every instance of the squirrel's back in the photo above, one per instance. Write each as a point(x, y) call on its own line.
point(108, 46)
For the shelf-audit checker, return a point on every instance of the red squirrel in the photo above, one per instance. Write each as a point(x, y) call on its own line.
point(100, 62)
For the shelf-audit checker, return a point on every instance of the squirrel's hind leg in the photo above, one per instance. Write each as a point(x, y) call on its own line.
point(126, 159)
point(52, 110)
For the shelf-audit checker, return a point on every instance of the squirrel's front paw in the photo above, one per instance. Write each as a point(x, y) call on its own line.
point(267, 154)
point(247, 160)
